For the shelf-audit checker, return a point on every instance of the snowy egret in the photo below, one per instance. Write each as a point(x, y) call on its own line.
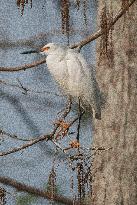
point(75, 77)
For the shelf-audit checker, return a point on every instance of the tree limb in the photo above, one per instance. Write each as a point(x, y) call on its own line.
point(24, 146)
point(2, 132)
point(26, 90)
point(38, 192)
point(23, 67)
point(80, 44)
point(41, 138)
point(99, 32)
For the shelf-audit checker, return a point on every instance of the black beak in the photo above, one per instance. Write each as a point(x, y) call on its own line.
point(30, 51)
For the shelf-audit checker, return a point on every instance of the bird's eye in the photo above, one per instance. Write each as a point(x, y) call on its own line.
point(44, 49)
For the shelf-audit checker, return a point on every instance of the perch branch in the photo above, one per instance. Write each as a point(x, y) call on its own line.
point(26, 90)
point(23, 67)
point(99, 32)
point(24, 146)
point(82, 43)
point(41, 138)
point(2, 132)
point(38, 139)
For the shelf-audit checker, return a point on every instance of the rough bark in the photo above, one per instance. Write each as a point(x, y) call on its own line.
point(115, 170)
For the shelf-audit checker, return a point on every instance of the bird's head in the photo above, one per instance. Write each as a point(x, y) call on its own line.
point(49, 48)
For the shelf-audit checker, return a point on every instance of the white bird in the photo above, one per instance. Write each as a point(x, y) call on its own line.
point(75, 77)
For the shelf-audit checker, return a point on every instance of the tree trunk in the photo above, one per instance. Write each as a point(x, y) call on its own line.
point(115, 169)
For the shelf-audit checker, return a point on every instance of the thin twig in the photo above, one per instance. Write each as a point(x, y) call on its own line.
point(24, 146)
point(79, 119)
point(58, 145)
point(67, 108)
point(23, 67)
point(2, 132)
point(101, 148)
point(23, 88)
point(97, 34)
point(26, 90)
point(82, 43)
point(39, 139)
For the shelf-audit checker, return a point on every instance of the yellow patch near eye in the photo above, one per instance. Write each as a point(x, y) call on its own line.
point(45, 49)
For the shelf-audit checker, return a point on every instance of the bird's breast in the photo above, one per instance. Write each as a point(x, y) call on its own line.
point(58, 68)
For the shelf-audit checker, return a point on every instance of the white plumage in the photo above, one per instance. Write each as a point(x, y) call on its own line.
point(71, 71)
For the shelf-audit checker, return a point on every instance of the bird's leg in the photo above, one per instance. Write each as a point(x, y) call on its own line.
point(79, 119)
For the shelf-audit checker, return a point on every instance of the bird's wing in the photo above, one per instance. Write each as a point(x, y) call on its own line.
point(83, 75)
point(79, 74)
point(76, 64)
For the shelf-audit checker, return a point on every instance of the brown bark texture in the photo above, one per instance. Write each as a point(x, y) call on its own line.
point(115, 170)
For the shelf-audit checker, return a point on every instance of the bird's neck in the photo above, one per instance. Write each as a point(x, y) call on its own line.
point(58, 55)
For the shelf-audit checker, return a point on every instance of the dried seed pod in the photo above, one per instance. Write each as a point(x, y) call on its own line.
point(78, 4)
point(2, 196)
point(106, 42)
point(65, 16)
point(52, 183)
point(21, 4)
point(81, 167)
point(125, 4)
point(84, 11)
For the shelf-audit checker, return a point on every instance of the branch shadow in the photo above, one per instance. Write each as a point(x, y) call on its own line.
point(14, 101)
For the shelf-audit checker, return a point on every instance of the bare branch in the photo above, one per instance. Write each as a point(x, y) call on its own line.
point(99, 32)
point(32, 190)
point(43, 137)
point(30, 143)
point(80, 44)
point(26, 90)
point(22, 67)
point(38, 139)
point(2, 132)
